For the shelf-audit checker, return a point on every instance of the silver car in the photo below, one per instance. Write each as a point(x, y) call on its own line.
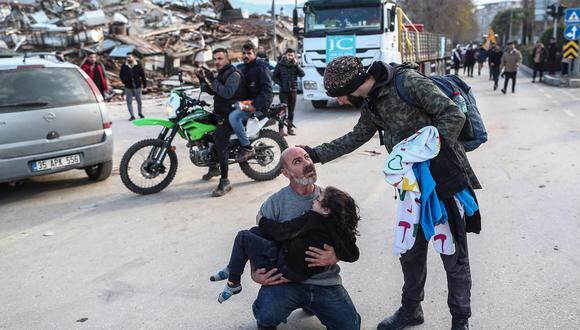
point(52, 119)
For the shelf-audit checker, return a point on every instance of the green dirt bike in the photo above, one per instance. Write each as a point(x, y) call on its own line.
point(150, 165)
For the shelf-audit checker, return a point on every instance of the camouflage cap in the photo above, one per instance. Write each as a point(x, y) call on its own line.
point(343, 75)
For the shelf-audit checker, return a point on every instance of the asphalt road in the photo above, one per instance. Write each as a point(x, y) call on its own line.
point(116, 260)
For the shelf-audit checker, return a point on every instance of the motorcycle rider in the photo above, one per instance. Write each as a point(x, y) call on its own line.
point(259, 94)
point(227, 88)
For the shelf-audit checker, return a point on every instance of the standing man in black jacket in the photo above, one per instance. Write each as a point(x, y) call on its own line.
point(133, 77)
point(259, 93)
point(227, 88)
point(494, 63)
point(286, 74)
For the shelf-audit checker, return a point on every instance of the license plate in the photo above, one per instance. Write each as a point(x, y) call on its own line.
point(55, 163)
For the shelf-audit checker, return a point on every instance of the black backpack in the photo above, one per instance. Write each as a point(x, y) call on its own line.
point(473, 133)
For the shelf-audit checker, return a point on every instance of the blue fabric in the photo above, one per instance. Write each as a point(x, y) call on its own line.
point(444, 215)
point(468, 202)
point(236, 121)
point(331, 304)
point(431, 213)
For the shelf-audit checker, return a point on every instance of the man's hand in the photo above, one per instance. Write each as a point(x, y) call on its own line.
point(271, 277)
point(321, 258)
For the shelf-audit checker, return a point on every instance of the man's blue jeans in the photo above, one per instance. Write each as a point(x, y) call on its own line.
point(236, 121)
point(331, 304)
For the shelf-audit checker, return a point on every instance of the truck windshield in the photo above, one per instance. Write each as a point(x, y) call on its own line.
point(319, 21)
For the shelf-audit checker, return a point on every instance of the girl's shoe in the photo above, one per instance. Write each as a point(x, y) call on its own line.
point(229, 291)
point(221, 275)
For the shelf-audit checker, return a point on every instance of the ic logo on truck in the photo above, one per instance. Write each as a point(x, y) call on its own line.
point(340, 46)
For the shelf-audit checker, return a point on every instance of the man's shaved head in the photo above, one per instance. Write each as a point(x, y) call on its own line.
point(298, 167)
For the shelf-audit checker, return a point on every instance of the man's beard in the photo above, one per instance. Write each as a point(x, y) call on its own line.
point(305, 180)
point(356, 101)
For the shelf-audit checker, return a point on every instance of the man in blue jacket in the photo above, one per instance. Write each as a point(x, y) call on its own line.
point(259, 93)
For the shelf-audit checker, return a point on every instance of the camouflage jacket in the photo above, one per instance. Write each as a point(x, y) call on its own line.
point(399, 120)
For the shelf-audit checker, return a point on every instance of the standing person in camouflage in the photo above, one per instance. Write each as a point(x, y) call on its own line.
point(345, 78)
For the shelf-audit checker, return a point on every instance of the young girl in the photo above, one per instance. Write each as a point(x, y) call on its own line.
point(333, 220)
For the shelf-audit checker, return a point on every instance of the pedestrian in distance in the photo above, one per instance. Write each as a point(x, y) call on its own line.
point(510, 62)
point(494, 57)
point(383, 109)
point(228, 87)
point(333, 220)
point(322, 294)
point(492, 45)
point(481, 56)
point(456, 58)
point(96, 71)
point(133, 77)
point(262, 54)
point(470, 59)
point(286, 75)
point(259, 97)
point(538, 55)
point(552, 56)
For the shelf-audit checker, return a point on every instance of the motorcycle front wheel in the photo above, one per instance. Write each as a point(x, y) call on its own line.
point(267, 164)
point(139, 171)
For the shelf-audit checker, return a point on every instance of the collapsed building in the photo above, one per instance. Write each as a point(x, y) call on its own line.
point(168, 36)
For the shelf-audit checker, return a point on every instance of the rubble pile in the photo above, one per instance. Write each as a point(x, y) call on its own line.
point(168, 36)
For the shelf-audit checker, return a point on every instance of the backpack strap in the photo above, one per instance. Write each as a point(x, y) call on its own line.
point(400, 89)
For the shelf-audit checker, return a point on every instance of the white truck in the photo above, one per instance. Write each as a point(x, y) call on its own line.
point(371, 30)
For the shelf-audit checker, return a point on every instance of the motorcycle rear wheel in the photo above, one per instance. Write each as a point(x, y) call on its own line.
point(267, 164)
point(136, 171)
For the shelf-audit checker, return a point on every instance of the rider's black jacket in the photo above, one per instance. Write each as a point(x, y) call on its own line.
point(258, 84)
point(227, 88)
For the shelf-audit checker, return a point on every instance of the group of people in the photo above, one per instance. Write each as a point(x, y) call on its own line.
point(238, 93)
point(505, 62)
point(132, 75)
point(304, 230)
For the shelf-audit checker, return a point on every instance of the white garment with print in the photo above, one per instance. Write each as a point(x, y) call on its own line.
point(398, 171)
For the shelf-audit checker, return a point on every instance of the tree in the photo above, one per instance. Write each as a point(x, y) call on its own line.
point(454, 18)
point(501, 22)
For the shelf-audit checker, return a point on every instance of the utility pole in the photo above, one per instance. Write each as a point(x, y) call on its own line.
point(555, 28)
point(275, 41)
point(510, 30)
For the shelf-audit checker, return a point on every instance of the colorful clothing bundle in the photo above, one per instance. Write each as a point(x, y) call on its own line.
point(407, 169)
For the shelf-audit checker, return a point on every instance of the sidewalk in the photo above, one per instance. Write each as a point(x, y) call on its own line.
point(554, 80)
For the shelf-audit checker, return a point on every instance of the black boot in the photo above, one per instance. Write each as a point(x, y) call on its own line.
point(261, 327)
point(214, 170)
point(223, 188)
point(405, 316)
point(460, 323)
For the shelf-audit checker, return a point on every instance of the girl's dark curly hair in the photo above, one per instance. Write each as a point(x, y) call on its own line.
point(343, 209)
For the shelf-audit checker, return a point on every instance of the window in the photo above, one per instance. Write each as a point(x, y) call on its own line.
point(39, 88)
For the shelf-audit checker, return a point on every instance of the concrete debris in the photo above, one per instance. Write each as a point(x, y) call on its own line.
point(167, 36)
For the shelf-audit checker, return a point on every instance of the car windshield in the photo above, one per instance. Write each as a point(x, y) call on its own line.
point(36, 88)
point(342, 19)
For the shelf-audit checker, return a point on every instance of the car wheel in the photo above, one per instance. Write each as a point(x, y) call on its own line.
point(100, 171)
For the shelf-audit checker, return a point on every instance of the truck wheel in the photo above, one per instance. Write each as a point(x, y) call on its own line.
point(100, 171)
point(319, 104)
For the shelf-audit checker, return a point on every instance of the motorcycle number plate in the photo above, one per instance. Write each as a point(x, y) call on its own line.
point(55, 163)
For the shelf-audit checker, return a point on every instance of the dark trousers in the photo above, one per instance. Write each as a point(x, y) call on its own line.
point(495, 75)
point(251, 245)
point(538, 67)
point(290, 99)
point(508, 76)
point(456, 68)
point(470, 69)
point(222, 139)
point(414, 264)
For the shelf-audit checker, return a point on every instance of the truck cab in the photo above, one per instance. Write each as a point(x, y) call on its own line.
point(371, 30)
point(365, 29)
